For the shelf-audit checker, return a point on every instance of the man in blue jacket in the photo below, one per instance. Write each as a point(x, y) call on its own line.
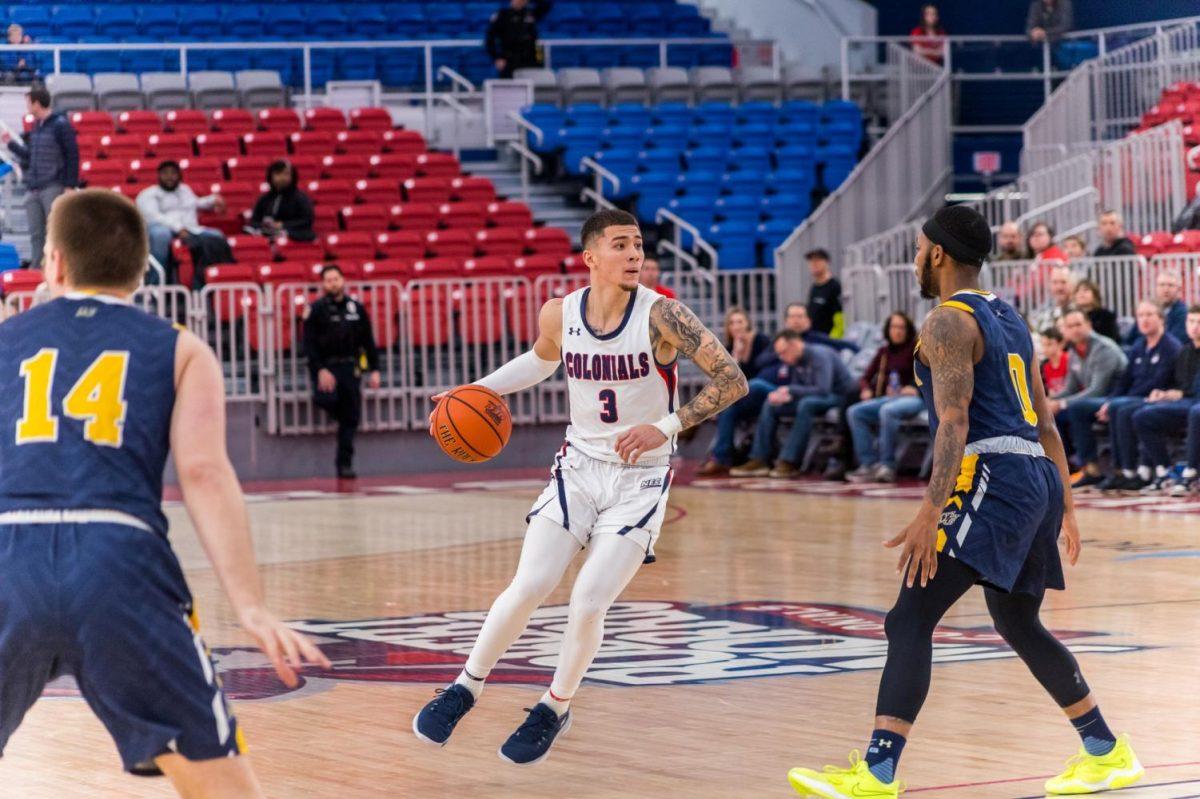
point(50, 158)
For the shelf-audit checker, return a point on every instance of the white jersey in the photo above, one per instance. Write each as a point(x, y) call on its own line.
point(613, 380)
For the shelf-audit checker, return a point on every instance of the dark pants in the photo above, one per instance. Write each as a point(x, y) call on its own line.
point(344, 404)
point(1082, 414)
point(747, 408)
point(1158, 421)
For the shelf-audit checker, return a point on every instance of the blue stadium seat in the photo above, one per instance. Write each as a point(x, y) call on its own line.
point(33, 19)
point(117, 22)
point(446, 20)
point(356, 64)
point(658, 160)
point(672, 113)
point(626, 135)
point(740, 207)
point(708, 157)
point(405, 20)
point(160, 22)
point(736, 242)
point(71, 22)
point(667, 135)
point(203, 22)
point(793, 207)
point(802, 155)
point(697, 211)
point(578, 142)
point(243, 20)
point(744, 182)
point(590, 114)
point(401, 67)
point(367, 21)
point(771, 234)
point(800, 111)
point(793, 180)
point(712, 111)
point(835, 171)
point(754, 135)
point(700, 183)
point(9, 259)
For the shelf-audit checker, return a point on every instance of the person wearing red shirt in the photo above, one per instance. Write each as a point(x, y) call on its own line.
point(928, 38)
point(648, 277)
point(1055, 362)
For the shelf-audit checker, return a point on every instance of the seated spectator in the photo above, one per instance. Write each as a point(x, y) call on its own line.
point(1094, 366)
point(825, 296)
point(1104, 321)
point(1167, 411)
point(888, 391)
point(742, 341)
point(1113, 240)
point(1040, 243)
point(284, 210)
point(170, 210)
point(1048, 20)
point(796, 318)
point(1061, 286)
point(18, 66)
point(1189, 217)
point(1074, 247)
point(649, 276)
point(929, 38)
point(818, 382)
point(1008, 243)
point(1054, 361)
point(1168, 289)
point(1151, 366)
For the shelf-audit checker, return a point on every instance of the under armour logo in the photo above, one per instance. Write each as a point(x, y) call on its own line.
point(575, 331)
point(883, 743)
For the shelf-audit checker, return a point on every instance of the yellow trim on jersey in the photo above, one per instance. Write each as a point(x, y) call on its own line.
point(179, 327)
point(941, 539)
point(966, 477)
point(962, 306)
point(979, 292)
point(239, 738)
point(955, 501)
point(194, 619)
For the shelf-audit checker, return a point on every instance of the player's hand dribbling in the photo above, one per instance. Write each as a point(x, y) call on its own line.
point(287, 649)
point(637, 440)
point(434, 400)
point(920, 547)
point(1070, 536)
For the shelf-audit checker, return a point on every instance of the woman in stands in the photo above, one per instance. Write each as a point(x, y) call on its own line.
point(742, 340)
point(928, 38)
point(1104, 321)
point(284, 210)
point(1040, 242)
point(888, 391)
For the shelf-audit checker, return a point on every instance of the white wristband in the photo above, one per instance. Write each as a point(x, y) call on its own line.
point(669, 425)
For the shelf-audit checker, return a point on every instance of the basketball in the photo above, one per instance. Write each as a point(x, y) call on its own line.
point(472, 424)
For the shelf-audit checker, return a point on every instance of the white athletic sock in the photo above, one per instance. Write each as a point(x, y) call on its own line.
point(1189, 473)
point(557, 704)
point(1160, 471)
point(1143, 472)
point(471, 683)
point(1128, 473)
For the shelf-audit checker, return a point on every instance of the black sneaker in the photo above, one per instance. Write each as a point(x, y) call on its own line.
point(531, 742)
point(1134, 484)
point(437, 719)
point(346, 473)
point(1114, 482)
point(1088, 480)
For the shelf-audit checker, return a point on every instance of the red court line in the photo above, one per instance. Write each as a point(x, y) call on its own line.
point(1030, 779)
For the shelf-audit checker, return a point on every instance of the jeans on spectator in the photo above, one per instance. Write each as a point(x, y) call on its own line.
point(805, 409)
point(1156, 422)
point(1081, 415)
point(160, 246)
point(1121, 431)
point(1062, 421)
point(885, 413)
point(37, 209)
point(747, 407)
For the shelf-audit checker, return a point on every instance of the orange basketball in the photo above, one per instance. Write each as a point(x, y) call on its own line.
point(472, 424)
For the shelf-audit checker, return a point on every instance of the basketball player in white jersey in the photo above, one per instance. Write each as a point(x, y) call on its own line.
point(619, 343)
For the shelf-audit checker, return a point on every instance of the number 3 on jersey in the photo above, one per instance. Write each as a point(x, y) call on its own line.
point(97, 398)
point(608, 406)
point(1016, 370)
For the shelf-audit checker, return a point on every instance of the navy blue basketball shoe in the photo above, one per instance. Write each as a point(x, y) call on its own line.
point(531, 742)
point(437, 720)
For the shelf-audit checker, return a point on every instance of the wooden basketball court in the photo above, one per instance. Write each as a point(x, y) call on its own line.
point(753, 645)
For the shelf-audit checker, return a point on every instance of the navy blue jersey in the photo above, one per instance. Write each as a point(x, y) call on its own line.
point(87, 384)
point(1002, 402)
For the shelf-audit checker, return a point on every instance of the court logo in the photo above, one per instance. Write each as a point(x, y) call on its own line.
point(645, 643)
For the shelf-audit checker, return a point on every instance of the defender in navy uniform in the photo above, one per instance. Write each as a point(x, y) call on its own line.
point(95, 392)
point(991, 516)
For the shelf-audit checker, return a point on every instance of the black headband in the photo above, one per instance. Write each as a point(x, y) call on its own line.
point(960, 252)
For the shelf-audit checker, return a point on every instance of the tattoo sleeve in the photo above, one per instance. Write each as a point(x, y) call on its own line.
point(948, 342)
point(671, 322)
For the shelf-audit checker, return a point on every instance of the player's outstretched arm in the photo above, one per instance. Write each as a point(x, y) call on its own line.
point(214, 501)
point(1053, 445)
point(948, 342)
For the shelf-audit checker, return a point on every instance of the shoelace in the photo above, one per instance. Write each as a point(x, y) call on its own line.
point(856, 763)
point(535, 728)
point(445, 697)
point(1074, 763)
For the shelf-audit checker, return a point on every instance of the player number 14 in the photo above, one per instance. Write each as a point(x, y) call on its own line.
point(97, 399)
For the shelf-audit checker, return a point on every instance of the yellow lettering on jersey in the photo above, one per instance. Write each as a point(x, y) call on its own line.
point(37, 423)
point(98, 399)
point(1016, 370)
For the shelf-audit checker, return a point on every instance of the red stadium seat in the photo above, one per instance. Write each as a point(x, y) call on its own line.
point(370, 119)
point(103, 173)
point(204, 169)
point(393, 166)
point(271, 144)
point(510, 214)
point(408, 142)
point(502, 242)
point(488, 267)
point(172, 146)
point(427, 190)
point(143, 172)
point(219, 145)
point(326, 219)
point(306, 165)
point(481, 315)
point(1153, 243)
point(473, 190)
point(1187, 241)
point(89, 146)
point(312, 142)
point(437, 267)
point(344, 167)
point(93, 122)
point(248, 168)
point(350, 246)
point(324, 119)
point(185, 120)
point(122, 147)
point(437, 165)
point(281, 120)
point(182, 257)
point(522, 322)
point(532, 266)
point(462, 216)
point(359, 142)
point(292, 250)
point(450, 243)
point(272, 273)
point(377, 190)
point(337, 193)
point(548, 241)
point(1191, 181)
point(404, 244)
point(573, 264)
point(428, 321)
point(238, 196)
point(129, 190)
point(229, 273)
point(232, 120)
point(1191, 135)
point(250, 249)
point(20, 280)
point(351, 269)
point(389, 269)
point(371, 217)
point(413, 216)
point(143, 122)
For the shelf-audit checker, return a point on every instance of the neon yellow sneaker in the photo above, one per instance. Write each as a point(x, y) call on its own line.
point(1095, 773)
point(856, 782)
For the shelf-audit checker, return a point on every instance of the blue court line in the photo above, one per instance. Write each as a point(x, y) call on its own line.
point(1170, 553)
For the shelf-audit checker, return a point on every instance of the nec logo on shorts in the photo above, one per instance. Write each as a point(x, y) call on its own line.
point(653, 482)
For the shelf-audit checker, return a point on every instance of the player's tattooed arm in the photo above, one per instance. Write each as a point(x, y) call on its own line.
point(948, 343)
point(673, 323)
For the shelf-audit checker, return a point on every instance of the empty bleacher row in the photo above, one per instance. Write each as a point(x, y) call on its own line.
point(613, 85)
point(1180, 101)
point(205, 90)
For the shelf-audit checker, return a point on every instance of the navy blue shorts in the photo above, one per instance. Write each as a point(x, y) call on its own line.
point(107, 603)
point(1003, 521)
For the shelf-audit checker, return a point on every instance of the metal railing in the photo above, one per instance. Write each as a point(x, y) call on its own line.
point(595, 193)
point(674, 245)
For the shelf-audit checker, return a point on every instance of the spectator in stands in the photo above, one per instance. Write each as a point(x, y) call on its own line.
point(1008, 243)
point(49, 155)
point(1170, 410)
point(1095, 364)
point(170, 210)
point(1112, 236)
point(1189, 217)
point(1151, 368)
point(818, 382)
point(1061, 286)
point(795, 317)
point(511, 37)
point(1168, 288)
point(888, 394)
point(649, 276)
point(17, 66)
point(284, 210)
point(1054, 361)
point(337, 337)
point(825, 296)
point(742, 341)
point(1048, 20)
point(1074, 247)
point(1041, 246)
point(929, 38)
point(1104, 321)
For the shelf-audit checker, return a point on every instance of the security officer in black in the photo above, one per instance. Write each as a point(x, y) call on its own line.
point(337, 335)
point(511, 37)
